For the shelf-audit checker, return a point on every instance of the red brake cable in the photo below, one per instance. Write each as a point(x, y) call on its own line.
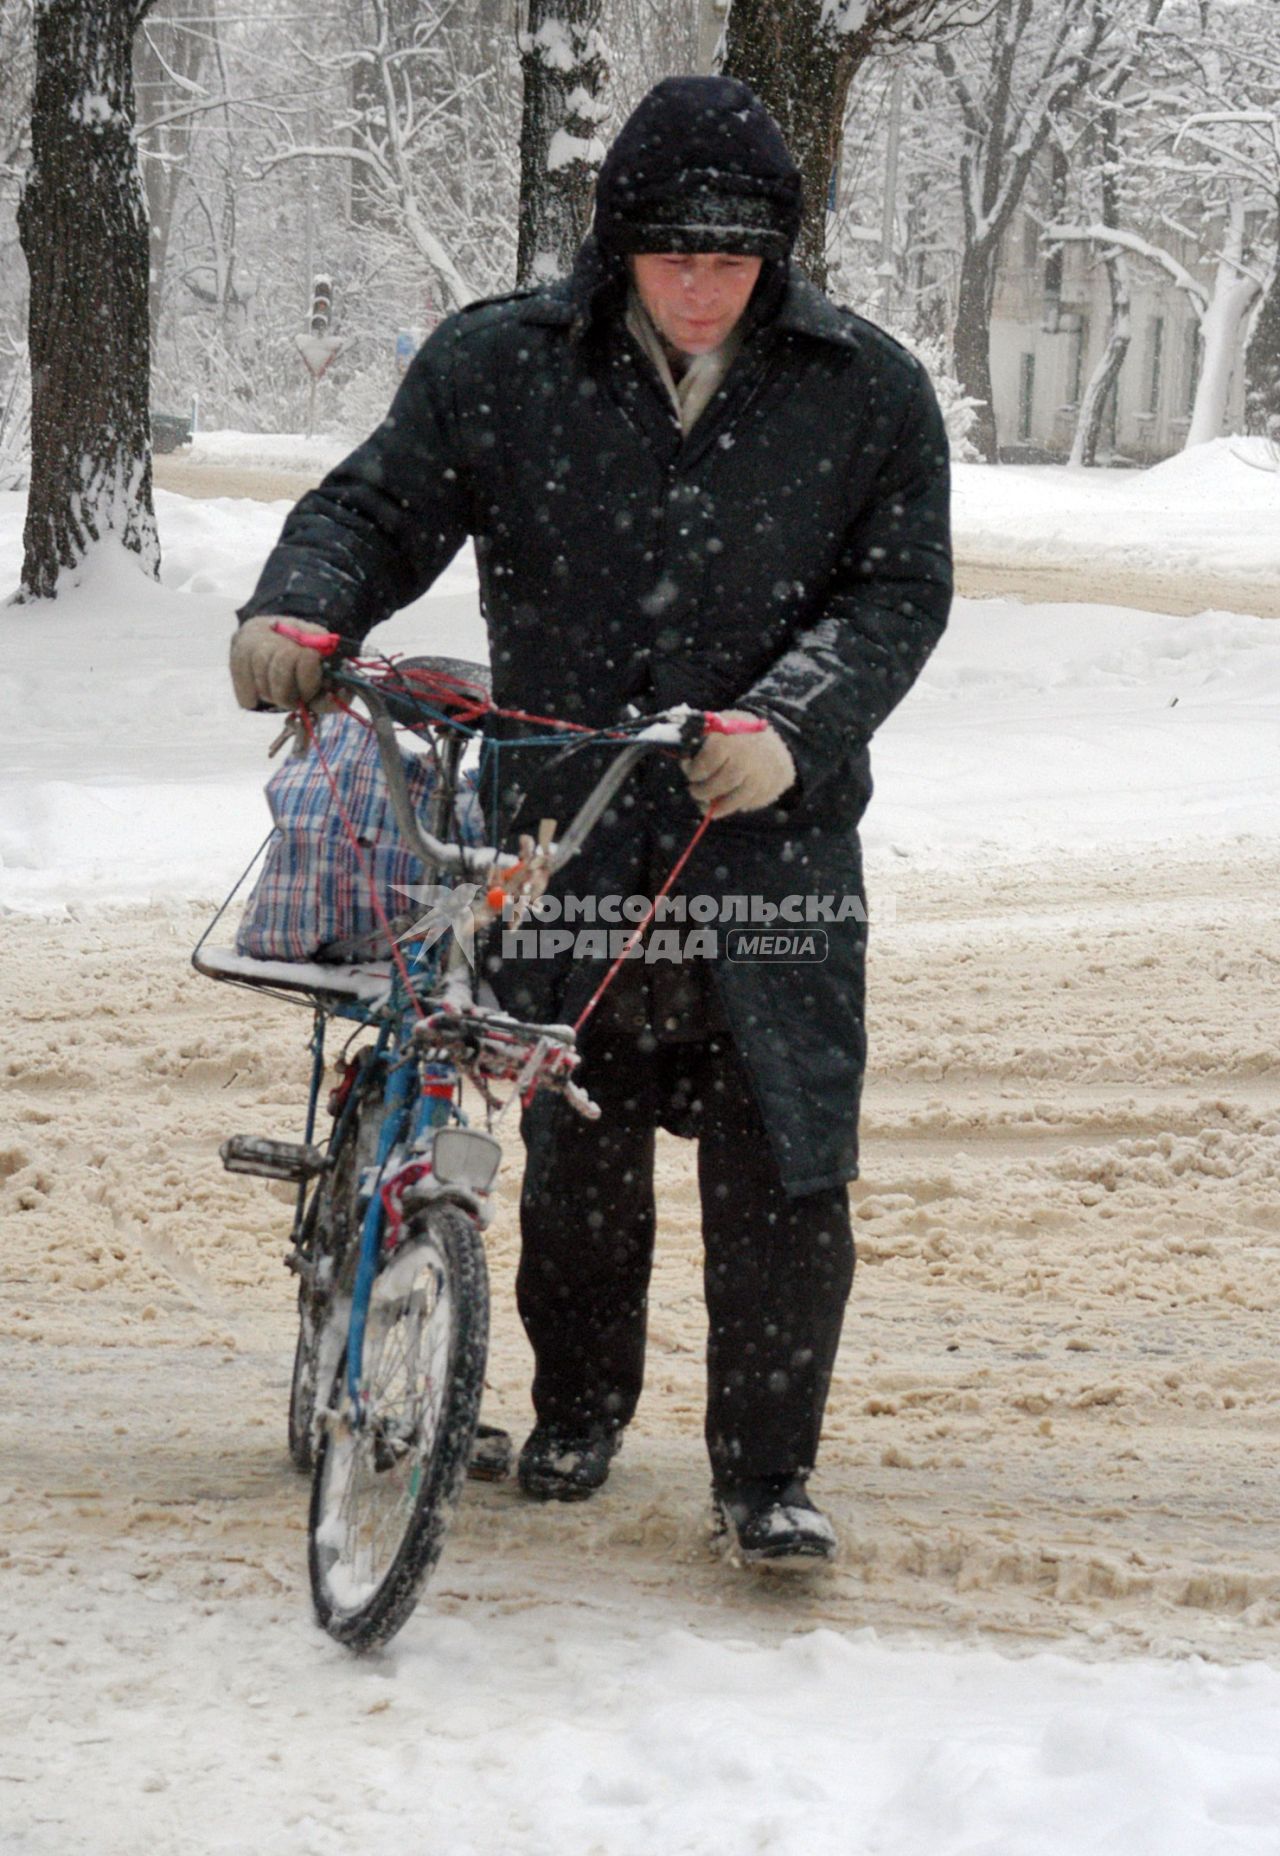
point(640, 926)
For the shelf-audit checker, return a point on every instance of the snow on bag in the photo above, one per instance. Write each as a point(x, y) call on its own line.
point(312, 896)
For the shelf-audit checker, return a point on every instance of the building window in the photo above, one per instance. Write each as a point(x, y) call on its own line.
point(1075, 363)
point(1030, 243)
point(1155, 363)
point(1026, 393)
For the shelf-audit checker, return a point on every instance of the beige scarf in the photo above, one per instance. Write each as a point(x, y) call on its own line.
point(697, 385)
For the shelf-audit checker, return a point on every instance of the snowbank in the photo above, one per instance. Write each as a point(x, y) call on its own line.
point(284, 451)
point(1213, 509)
point(127, 771)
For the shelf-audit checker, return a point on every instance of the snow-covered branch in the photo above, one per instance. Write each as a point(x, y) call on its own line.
point(1116, 237)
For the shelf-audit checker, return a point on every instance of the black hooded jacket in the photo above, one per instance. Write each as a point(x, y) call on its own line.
point(790, 556)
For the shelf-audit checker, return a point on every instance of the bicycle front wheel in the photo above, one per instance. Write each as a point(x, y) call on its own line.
point(383, 1489)
point(328, 1263)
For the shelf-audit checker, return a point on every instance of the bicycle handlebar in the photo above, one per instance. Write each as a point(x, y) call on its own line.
point(681, 729)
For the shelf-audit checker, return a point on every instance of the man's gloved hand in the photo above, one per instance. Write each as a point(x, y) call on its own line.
point(741, 773)
point(268, 668)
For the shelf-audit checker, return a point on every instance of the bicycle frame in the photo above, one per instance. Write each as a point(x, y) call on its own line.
point(420, 1093)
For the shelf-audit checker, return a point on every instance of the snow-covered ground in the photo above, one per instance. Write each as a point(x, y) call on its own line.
point(584, 1682)
point(285, 451)
point(228, 1728)
point(1215, 508)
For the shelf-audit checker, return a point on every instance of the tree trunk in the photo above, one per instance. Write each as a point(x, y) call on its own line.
point(1102, 382)
point(971, 342)
point(1262, 367)
point(800, 66)
point(711, 21)
point(1234, 294)
point(83, 226)
point(562, 57)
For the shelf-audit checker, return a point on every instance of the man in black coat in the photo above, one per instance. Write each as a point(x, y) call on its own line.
point(689, 478)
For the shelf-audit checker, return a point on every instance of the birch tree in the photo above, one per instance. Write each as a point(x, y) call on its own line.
point(83, 226)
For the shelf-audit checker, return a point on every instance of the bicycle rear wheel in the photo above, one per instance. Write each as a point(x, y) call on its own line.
point(382, 1492)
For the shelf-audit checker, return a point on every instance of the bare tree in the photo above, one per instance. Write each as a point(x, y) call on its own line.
point(1102, 384)
point(1012, 79)
point(396, 137)
point(16, 62)
point(562, 56)
point(83, 226)
point(1202, 169)
point(1102, 137)
point(169, 60)
point(800, 57)
point(15, 86)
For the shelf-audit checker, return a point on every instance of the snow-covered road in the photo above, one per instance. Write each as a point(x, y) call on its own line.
point(1052, 1426)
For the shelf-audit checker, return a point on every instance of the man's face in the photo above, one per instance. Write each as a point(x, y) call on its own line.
point(694, 299)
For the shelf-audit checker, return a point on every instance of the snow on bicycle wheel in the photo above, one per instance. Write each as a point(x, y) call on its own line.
point(383, 1487)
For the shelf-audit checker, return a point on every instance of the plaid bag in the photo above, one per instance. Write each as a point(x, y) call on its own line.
point(312, 897)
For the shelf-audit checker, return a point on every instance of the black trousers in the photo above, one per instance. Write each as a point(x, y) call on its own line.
point(778, 1270)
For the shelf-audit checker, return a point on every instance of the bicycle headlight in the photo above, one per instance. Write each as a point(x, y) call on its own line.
point(465, 1157)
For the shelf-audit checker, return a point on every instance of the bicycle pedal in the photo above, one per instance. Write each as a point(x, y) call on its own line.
point(491, 1454)
point(253, 1153)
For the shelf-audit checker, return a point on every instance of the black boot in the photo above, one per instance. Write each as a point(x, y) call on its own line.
point(771, 1521)
point(566, 1466)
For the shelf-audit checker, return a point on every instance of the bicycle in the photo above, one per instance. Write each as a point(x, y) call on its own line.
point(387, 1231)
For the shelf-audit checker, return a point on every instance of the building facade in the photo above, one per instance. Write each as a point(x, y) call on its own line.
point(1049, 327)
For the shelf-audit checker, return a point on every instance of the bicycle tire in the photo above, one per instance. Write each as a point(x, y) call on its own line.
point(333, 1230)
point(382, 1495)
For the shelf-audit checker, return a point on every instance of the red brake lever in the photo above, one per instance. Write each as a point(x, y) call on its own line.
point(326, 643)
point(716, 724)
